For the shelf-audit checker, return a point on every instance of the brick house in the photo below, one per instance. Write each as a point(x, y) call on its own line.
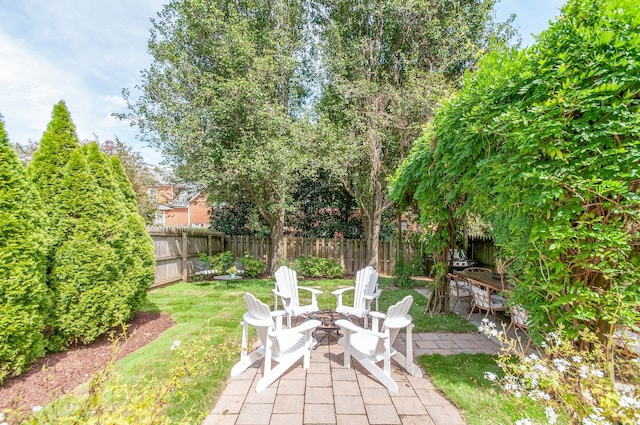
point(180, 206)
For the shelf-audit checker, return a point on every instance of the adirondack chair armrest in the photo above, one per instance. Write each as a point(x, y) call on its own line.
point(377, 315)
point(398, 322)
point(277, 316)
point(301, 328)
point(254, 321)
point(343, 290)
point(338, 293)
point(280, 294)
point(314, 293)
point(348, 326)
point(312, 290)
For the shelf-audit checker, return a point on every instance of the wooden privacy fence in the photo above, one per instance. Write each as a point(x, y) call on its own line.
point(178, 249)
point(351, 254)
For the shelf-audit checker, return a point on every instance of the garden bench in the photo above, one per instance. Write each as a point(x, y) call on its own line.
point(202, 270)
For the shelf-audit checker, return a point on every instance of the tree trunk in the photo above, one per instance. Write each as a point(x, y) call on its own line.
point(439, 300)
point(277, 238)
point(372, 236)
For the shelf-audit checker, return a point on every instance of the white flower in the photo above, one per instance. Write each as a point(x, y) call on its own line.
point(595, 419)
point(525, 421)
point(531, 358)
point(583, 371)
point(488, 328)
point(552, 418)
point(175, 345)
point(36, 409)
point(577, 359)
point(597, 373)
point(490, 376)
point(561, 364)
point(587, 395)
point(629, 402)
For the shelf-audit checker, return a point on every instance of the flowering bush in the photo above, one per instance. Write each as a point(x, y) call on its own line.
point(590, 386)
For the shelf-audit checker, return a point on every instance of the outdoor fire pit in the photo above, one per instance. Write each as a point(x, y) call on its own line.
point(328, 325)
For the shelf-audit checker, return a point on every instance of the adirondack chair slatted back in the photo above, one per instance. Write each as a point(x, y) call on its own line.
point(366, 284)
point(287, 284)
point(397, 317)
point(259, 316)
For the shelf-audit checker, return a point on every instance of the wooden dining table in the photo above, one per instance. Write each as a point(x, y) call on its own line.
point(486, 279)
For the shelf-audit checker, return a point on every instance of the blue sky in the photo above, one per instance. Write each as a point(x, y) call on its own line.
point(87, 51)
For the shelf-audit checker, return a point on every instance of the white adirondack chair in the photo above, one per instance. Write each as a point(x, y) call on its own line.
point(370, 347)
point(286, 289)
point(282, 346)
point(365, 291)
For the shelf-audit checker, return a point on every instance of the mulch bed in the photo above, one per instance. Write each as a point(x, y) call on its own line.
point(59, 373)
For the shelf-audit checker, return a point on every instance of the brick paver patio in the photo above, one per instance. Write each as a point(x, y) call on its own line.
point(328, 393)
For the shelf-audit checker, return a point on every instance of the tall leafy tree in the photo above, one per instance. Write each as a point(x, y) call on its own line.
point(222, 99)
point(388, 62)
point(545, 142)
point(25, 299)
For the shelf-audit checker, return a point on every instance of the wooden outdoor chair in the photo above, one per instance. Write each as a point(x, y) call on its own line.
point(520, 320)
point(365, 292)
point(286, 289)
point(370, 347)
point(282, 346)
point(459, 288)
point(485, 300)
point(478, 270)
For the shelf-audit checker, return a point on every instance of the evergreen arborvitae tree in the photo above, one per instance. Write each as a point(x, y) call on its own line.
point(123, 182)
point(25, 299)
point(85, 268)
point(105, 261)
point(138, 250)
point(56, 145)
point(131, 239)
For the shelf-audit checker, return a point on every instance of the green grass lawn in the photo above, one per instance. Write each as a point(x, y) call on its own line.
point(209, 311)
point(461, 378)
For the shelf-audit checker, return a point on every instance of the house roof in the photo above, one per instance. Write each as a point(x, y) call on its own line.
point(185, 196)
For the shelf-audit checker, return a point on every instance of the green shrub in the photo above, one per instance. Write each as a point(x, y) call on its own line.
point(308, 266)
point(219, 262)
point(24, 296)
point(252, 267)
point(403, 271)
point(104, 262)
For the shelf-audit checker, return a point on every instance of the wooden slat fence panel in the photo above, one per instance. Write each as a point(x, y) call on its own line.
point(178, 249)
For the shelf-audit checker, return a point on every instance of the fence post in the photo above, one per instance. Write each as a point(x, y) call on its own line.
point(185, 257)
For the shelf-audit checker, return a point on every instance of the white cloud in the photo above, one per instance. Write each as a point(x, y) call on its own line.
point(31, 85)
point(84, 52)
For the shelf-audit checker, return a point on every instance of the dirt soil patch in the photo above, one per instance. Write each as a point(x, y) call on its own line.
point(59, 373)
